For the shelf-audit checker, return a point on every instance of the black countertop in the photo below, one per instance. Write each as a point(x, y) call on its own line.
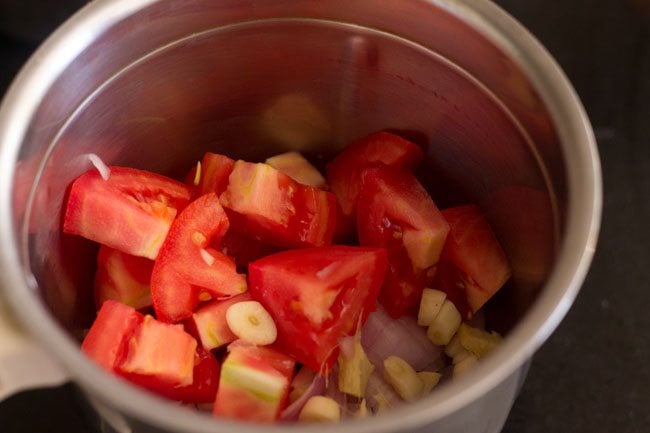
point(593, 374)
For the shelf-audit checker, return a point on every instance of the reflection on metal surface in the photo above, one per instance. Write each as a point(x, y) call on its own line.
point(294, 122)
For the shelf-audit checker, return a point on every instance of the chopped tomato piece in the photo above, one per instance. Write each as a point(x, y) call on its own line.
point(317, 296)
point(275, 209)
point(275, 358)
point(254, 383)
point(204, 383)
point(160, 352)
point(403, 285)
point(212, 176)
point(474, 249)
point(187, 269)
point(123, 278)
point(381, 148)
point(107, 341)
point(395, 211)
point(131, 211)
point(210, 322)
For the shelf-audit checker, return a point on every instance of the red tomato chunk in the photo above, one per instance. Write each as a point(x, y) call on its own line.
point(394, 211)
point(107, 341)
point(254, 383)
point(210, 322)
point(171, 363)
point(157, 356)
point(270, 206)
point(123, 277)
point(188, 268)
point(474, 249)
point(131, 211)
point(317, 296)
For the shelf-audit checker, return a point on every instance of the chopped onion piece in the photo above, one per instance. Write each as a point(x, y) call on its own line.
point(300, 383)
point(317, 387)
point(102, 168)
point(349, 405)
point(382, 337)
point(380, 395)
point(207, 257)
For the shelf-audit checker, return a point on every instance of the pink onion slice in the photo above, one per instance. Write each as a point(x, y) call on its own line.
point(317, 387)
point(378, 389)
point(102, 168)
point(382, 337)
point(349, 404)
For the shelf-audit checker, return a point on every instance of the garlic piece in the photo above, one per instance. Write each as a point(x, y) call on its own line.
point(320, 409)
point(249, 321)
point(445, 325)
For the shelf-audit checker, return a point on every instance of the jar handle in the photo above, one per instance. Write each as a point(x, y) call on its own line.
point(23, 363)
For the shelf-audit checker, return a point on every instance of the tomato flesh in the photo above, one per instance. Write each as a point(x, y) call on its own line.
point(394, 211)
point(474, 249)
point(254, 383)
point(123, 278)
point(187, 269)
point(107, 340)
point(203, 389)
point(160, 352)
point(131, 211)
point(317, 296)
point(270, 206)
point(211, 325)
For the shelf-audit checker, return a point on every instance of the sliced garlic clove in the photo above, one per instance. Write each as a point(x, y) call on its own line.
point(249, 321)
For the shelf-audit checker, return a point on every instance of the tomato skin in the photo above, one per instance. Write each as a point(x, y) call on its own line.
point(474, 249)
point(270, 206)
point(395, 212)
point(402, 289)
point(204, 384)
point(215, 170)
point(131, 211)
point(316, 296)
point(181, 274)
point(107, 340)
point(123, 278)
point(381, 148)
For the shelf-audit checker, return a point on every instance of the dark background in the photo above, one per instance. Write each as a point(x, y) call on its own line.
point(593, 374)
